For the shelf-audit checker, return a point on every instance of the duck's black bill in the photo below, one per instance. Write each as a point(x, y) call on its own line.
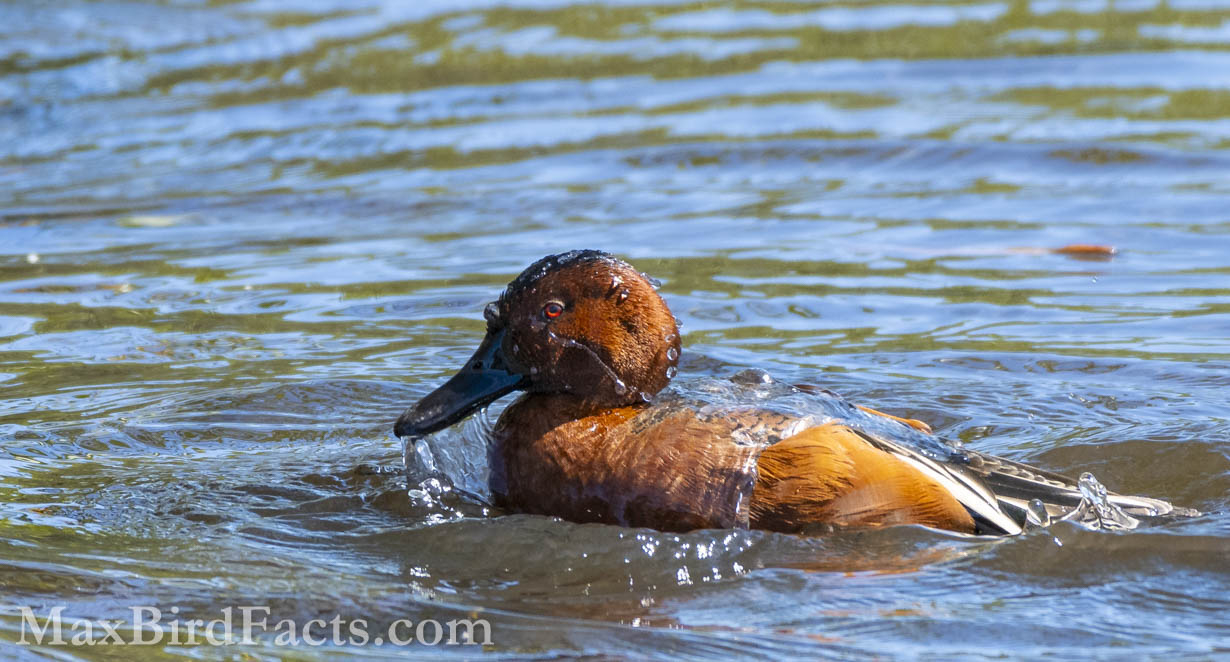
point(483, 379)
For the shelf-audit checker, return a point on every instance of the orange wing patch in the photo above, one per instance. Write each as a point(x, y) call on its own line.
point(912, 422)
point(830, 474)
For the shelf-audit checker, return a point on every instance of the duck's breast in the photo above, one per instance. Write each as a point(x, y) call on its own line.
point(659, 466)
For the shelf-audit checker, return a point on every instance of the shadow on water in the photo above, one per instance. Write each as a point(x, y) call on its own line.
point(239, 239)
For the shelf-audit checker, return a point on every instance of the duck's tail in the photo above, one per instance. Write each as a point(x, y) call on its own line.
point(1031, 494)
point(1006, 497)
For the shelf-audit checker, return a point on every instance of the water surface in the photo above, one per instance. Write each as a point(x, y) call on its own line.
point(237, 238)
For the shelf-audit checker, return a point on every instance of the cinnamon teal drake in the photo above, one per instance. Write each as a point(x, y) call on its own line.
point(595, 438)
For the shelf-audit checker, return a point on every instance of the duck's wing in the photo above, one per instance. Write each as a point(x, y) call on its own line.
point(912, 422)
point(836, 474)
point(969, 488)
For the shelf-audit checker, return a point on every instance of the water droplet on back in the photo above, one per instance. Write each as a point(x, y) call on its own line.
point(1037, 513)
point(751, 377)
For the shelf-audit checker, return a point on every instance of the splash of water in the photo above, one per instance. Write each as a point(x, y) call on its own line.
point(1096, 511)
point(448, 468)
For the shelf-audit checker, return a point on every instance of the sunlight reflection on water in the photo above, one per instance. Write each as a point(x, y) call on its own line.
point(240, 238)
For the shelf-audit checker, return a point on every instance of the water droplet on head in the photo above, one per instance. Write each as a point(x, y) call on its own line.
point(620, 387)
point(671, 372)
point(672, 354)
point(645, 397)
point(623, 296)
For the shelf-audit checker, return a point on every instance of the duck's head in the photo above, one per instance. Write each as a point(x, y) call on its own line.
point(583, 323)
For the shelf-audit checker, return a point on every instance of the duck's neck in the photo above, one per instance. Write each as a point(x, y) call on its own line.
point(533, 415)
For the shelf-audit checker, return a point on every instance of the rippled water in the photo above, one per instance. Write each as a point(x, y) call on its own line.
point(237, 238)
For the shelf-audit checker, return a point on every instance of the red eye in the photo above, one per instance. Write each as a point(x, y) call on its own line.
point(553, 309)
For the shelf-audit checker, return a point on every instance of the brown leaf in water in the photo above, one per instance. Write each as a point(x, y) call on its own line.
point(1095, 251)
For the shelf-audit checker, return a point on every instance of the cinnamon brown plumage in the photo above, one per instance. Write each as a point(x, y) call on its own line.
point(591, 342)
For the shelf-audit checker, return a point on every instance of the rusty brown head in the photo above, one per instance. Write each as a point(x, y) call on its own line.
point(584, 323)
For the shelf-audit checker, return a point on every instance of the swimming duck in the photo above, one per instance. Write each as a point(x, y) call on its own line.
point(592, 344)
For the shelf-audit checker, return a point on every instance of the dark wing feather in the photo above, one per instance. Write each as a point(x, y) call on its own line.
point(1016, 484)
point(997, 492)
